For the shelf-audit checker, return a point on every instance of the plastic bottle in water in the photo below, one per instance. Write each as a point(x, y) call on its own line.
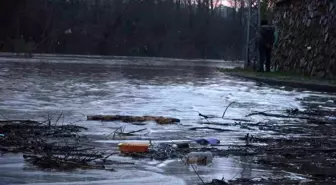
point(199, 158)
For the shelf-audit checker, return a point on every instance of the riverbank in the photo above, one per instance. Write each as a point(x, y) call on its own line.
point(284, 79)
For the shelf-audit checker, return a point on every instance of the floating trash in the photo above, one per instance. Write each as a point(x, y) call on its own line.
point(182, 145)
point(208, 141)
point(199, 158)
point(133, 147)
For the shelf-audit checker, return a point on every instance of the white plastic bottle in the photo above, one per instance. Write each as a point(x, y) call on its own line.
point(199, 158)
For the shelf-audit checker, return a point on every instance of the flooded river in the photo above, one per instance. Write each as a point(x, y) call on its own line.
point(79, 86)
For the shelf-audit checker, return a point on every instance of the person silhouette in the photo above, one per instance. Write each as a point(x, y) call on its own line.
point(265, 43)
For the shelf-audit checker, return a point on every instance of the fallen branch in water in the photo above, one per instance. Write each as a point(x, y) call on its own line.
point(214, 123)
point(202, 115)
point(249, 181)
point(210, 128)
point(313, 120)
point(135, 131)
point(199, 177)
point(130, 119)
point(130, 133)
point(59, 117)
point(206, 116)
point(276, 115)
point(326, 150)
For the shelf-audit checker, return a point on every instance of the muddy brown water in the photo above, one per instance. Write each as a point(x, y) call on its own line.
point(79, 86)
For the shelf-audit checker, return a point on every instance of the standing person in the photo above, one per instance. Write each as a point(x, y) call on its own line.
point(265, 44)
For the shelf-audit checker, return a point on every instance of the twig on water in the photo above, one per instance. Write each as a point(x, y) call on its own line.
point(59, 117)
point(76, 122)
point(197, 174)
point(63, 120)
point(204, 116)
point(208, 121)
point(49, 120)
point(114, 133)
point(121, 132)
point(210, 128)
point(181, 158)
point(4, 117)
point(217, 124)
point(279, 115)
point(82, 114)
point(238, 173)
point(227, 108)
point(130, 133)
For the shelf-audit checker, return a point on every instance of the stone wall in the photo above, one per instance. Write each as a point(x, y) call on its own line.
point(307, 39)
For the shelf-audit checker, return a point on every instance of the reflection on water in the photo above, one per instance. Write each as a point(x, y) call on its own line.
point(32, 90)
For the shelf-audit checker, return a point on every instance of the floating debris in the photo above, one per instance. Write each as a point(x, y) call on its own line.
point(19, 134)
point(259, 181)
point(199, 158)
point(181, 145)
point(211, 128)
point(133, 147)
point(134, 119)
point(208, 141)
point(49, 145)
point(217, 182)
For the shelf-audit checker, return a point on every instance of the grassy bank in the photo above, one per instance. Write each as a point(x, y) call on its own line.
point(284, 79)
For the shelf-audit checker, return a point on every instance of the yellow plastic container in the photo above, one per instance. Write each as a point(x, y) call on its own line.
point(133, 147)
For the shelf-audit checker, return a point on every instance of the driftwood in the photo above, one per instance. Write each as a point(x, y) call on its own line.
point(326, 150)
point(277, 115)
point(130, 119)
point(215, 123)
point(210, 128)
point(315, 119)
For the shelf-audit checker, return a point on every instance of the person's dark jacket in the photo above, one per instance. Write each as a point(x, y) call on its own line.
point(266, 36)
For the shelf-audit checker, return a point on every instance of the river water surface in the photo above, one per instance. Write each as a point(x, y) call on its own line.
point(46, 86)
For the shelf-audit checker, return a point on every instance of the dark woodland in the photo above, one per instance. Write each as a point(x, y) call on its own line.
point(155, 28)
